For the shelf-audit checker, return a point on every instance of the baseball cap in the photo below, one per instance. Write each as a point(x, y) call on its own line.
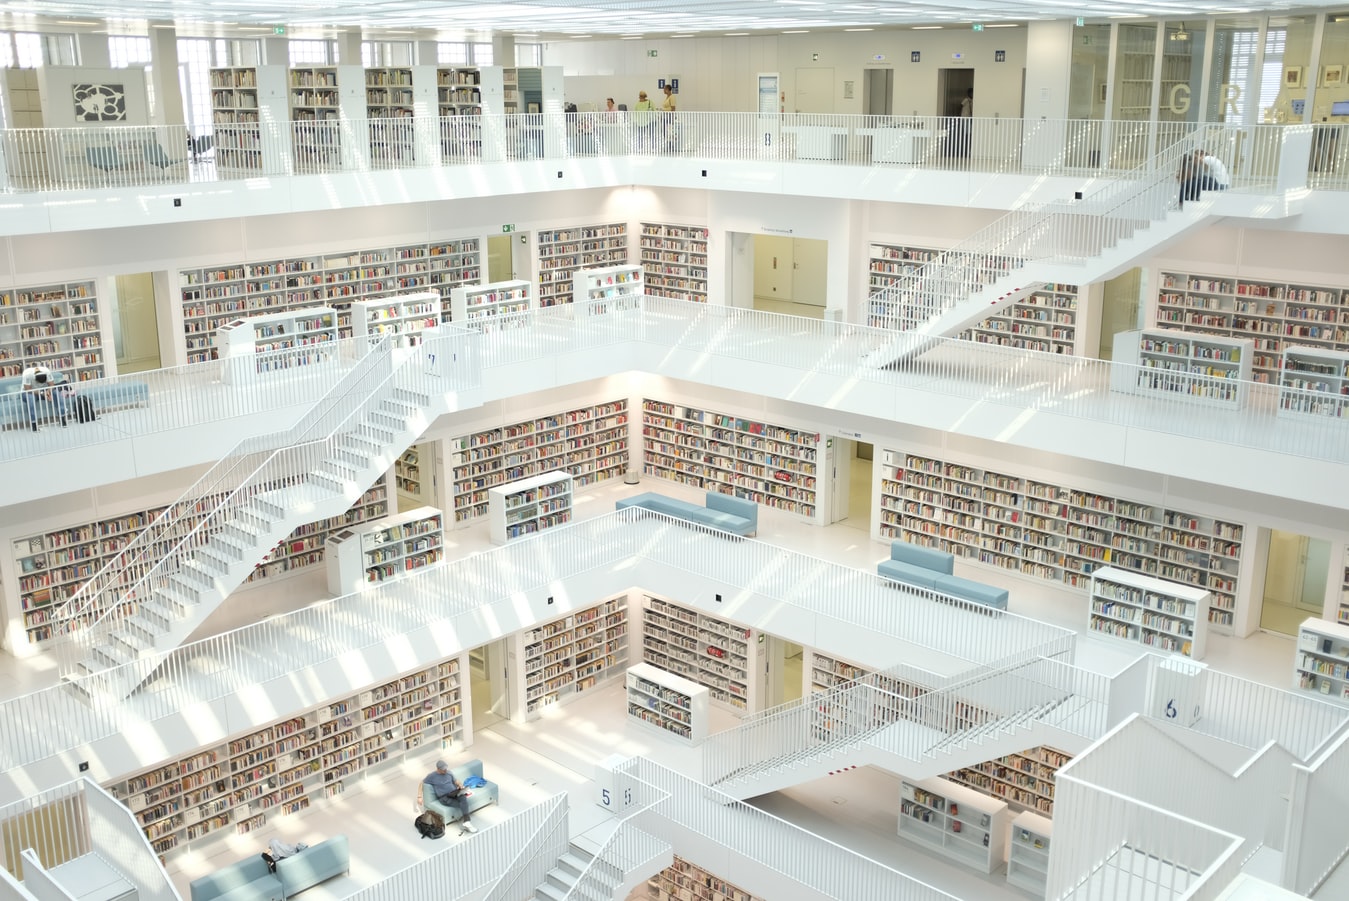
point(442, 765)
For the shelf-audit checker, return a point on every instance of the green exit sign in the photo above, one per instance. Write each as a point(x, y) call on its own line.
point(507, 229)
point(653, 53)
point(978, 26)
point(278, 29)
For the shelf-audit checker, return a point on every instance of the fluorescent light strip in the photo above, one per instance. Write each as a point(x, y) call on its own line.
point(927, 28)
point(798, 31)
point(1003, 25)
point(859, 29)
point(736, 34)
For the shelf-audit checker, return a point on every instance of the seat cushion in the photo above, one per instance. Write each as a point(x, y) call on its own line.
point(970, 590)
point(909, 574)
point(247, 878)
point(314, 864)
point(917, 555)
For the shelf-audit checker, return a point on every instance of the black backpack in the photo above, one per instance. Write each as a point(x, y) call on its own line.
point(84, 409)
point(430, 824)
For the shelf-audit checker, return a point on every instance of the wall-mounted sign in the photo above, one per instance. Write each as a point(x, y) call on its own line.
point(999, 56)
point(879, 58)
point(915, 56)
point(653, 53)
point(815, 57)
point(957, 57)
point(978, 26)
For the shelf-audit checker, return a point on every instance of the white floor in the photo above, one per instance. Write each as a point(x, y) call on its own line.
point(557, 753)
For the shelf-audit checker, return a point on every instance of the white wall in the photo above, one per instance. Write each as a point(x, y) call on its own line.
point(58, 100)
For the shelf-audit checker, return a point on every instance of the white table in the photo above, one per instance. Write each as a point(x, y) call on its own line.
point(899, 144)
point(818, 142)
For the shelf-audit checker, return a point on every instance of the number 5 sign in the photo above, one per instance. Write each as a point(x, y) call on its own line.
point(615, 789)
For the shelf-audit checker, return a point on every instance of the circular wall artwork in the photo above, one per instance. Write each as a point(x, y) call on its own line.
point(100, 102)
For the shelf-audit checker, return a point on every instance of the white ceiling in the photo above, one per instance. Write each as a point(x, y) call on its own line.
point(553, 18)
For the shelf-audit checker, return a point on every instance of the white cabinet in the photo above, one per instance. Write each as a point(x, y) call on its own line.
point(1206, 369)
point(1161, 615)
point(385, 549)
point(471, 304)
point(954, 821)
point(606, 283)
point(279, 341)
point(1314, 381)
point(665, 701)
point(571, 654)
point(529, 505)
point(403, 316)
point(1321, 662)
point(1028, 852)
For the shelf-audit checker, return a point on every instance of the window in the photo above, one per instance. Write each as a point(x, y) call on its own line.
point(529, 54)
point(1244, 45)
point(128, 50)
point(194, 80)
point(386, 53)
point(28, 51)
point(448, 54)
point(311, 53)
point(480, 54)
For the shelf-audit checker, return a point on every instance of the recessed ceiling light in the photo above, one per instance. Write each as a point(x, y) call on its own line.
point(631, 37)
point(583, 35)
point(798, 31)
point(1002, 25)
point(736, 34)
point(926, 27)
point(681, 35)
point(859, 29)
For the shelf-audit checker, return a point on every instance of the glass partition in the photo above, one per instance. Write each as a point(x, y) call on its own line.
point(1134, 71)
point(1234, 83)
point(1182, 71)
point(1286, 76)
point(1090, 66)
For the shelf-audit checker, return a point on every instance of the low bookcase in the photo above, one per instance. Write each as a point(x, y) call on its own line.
point(670, 703)
point(528, 506)
point(374, 552)
point(273, 342)
point(1165, 616)
point(1321, 662)
point(954, 821)
point(1028, 852)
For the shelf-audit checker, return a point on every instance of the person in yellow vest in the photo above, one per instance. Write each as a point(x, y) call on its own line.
point(641, 122)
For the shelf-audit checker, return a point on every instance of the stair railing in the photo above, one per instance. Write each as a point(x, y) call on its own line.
point(1052, 231)
point(538, 854)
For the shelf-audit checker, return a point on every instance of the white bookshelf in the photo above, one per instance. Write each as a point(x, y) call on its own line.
point(606, 283)
point(242, 97)
point(306, 759)
point(411, 474)
point(954, 821)
point(56, 326)
point(1343, 614)
point(1321, 661)
point(1314, 381)
point(528, 506)
point(709, 651)
point(772, 465)
point(1054, 531)
point(277, 342)
point(475, 304)
point(1151, 612)
point(674, 261)
point(459, 91)
point(1025, 780)
point(1207, 369)
point(561, 251)
point(571, 655)
point(1028, 852)
point(407, 317)
point(684, 881)
point(668, 702)
point(375, 552)
point(315, 107)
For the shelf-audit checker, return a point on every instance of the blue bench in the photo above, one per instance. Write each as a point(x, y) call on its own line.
point(104, 394)
point(722, 511)
point(477, 799)
point(927, 567)
point(251, 880)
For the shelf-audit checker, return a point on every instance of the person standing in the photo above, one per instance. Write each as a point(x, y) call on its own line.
point(449, 792)
point(964, 125)
point(668, 105)
point(39, 387)
point(641, 120)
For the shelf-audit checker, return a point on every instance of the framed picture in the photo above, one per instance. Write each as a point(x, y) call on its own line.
point(1292, 77)
point(100, 103)
point(1332, 76)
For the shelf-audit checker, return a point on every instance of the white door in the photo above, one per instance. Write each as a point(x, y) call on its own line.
point(773, 267)
point(810, 266)
point(838, 454)
point(814, 90)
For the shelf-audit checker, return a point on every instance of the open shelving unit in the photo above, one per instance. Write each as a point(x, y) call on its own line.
point(711, 652)
point(561, 251)
point(459, 91)
point(1343, 614)
point(51, 566)
point(683, 881)
point(314, 98)
point(528, 506)
point(606, 283)
point(56, 326)
point(478, 304)
point(284, 767)
point(241, 98)
point(407, 316)
point(277, 342)
point(571, 655)
point(375, 552)
point(954, 821)
point(1314, 381)
point(1024, 780)
point(589, 443)
point(674, 261)
point(668, 702)
point(1056, 532)
point(1321, 662)
point(772, 465)
point(1157, 614)
point(214, 296)
point(1028, 852)
point(1272, 314)
point(1207, 369)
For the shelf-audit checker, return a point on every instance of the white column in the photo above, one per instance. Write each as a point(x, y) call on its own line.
point(164, 76)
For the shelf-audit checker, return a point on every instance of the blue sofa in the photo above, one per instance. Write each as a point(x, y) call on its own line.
point(721, 511)
point(477, 799)
point(927, 567)
point(105, 394)
point(251, 880)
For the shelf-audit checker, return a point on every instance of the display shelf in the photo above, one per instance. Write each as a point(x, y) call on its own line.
point(1028, 852)
point(1314, 381)
point(458, 91)
point(606, 283)
point(52, 566)
point(674, 261)
point(590, 443)
point(1024, 780)
point(668, 702)
point(1162, 615)
point(957, 822)
point(562, 251)
point(683, 881)
point(314, 99)
point(241, 97)
point(706, 650)
point(214, 296)
point(408, 317)
point(1321, 661)
point(1272, 314)
point(390, 105)
point(374, 552)
point(770, 464)
point(1207, 369)
point(528, 506)
point(571, 654)
point(277, 342)
point(476, 304)
point(56, 326)
point(292, 763)
point(1055, 532)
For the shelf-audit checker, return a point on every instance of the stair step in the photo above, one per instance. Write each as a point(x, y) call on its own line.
point(549, 892)
point(106, 656)
point(222, 554)
point(574, 862)
point(129, 641)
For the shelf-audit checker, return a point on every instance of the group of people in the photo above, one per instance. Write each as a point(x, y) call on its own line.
point(46, 391)
point(1200, 171)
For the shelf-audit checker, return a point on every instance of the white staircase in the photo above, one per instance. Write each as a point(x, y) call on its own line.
point(562, 879)
point(629, 858)
point(163, 585)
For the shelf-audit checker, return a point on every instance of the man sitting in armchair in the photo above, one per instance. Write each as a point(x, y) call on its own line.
point(449, 792)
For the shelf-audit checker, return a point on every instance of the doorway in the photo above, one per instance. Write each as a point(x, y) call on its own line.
point(790, 275)
point(952, 88)
point(878, 89)
point(785, 675)
point(135, 323)
point(814, 90)
point(850, 483)
point(500, 258)
point(488, 674)
point(1297, 569)
point(415, 477)
point(1121, 306)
